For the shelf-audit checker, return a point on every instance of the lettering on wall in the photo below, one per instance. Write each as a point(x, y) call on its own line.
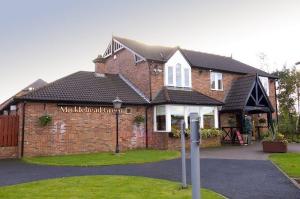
point(85, 109)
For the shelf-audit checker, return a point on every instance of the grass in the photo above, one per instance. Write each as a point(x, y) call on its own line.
point(108, 187)
point(96, 159)
point(288, 162)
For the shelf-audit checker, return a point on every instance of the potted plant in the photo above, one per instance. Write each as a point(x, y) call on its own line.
point(262, 121)
point(275, 142)
point(139, 119)
point(45, 120)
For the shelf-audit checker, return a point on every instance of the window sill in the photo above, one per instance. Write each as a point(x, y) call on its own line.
point(217, 89)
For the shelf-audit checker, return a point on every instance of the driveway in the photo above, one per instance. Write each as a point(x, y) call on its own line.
point(238, 179)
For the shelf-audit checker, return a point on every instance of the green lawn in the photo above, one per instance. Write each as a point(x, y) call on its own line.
point(108, 187)
point(129, 157)
point(288, 162)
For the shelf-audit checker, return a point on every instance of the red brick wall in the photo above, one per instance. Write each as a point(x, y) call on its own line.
point(201, 83)
point(71, 133)
point(124, 64)
point(8, 152)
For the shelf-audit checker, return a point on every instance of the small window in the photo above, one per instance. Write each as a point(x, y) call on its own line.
point(178, 75)
point(216, 81)
point(170, 75)
point(160, 118)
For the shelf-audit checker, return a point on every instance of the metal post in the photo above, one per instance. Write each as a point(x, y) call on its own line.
point(195, 155)
point(117, 138)
point(183, 160)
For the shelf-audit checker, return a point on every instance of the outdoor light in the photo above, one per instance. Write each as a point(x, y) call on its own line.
point(117, 105)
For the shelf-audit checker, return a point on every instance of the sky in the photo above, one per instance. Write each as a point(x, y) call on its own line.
point(54, 38)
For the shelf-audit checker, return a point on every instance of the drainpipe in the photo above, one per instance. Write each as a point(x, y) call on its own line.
point(150, 82)
point(146, 125)
point(276, 108)
point(23, 129)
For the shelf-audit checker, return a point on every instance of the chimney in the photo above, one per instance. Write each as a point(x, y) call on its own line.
point(100, 66)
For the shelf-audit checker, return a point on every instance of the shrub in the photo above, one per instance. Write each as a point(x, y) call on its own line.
point(205, 133)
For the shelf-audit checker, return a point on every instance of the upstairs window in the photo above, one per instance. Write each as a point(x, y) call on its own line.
point(216, 81)
point(265, 82)
point(178, 76)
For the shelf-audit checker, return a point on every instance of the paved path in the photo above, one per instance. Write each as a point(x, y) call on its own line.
point(241, 179)
point(249, 152)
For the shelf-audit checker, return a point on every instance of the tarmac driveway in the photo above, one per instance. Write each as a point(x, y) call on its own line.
point(233, 178)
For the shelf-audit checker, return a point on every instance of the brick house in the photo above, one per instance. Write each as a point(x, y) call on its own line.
point(161, 84)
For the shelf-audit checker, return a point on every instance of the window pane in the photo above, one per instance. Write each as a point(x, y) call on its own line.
point(220, 84)
point(208, 121)
point(175, 121)
point(161, 118)
point(186, 77)
point(265, 83)
point(178, 75)
point(212, 80)
point(170, 75)
point(213, 84)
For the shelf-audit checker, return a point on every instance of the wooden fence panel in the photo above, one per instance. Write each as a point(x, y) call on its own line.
point(9, 127)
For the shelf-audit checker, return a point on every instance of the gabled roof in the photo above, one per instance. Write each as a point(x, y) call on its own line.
point(87, 87)
point(174, 96)
point(33, 86)
point(195, 58)
point(238, 97)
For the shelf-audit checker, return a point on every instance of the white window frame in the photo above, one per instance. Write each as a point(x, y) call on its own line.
point(182, 75)
point(214, 75)
point(265, 83)
point(198, 109)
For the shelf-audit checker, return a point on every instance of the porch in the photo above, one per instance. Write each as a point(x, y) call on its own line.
point(246, 99)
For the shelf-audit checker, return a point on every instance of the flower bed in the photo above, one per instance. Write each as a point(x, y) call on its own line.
point(209, 138)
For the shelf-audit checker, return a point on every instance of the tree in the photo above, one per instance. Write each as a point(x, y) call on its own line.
point(287, 87)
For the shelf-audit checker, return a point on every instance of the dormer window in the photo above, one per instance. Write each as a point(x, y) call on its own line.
point(216, 81)
point(178, 76)
point(177, 72)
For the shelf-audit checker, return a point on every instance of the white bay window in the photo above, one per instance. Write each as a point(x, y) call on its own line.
point(167, 116)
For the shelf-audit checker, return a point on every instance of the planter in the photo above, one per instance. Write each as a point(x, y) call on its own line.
point(274, 147)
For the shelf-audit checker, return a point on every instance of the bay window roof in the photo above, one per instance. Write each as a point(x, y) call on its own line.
point(184, 96)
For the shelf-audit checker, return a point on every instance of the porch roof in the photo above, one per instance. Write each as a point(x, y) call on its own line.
point(247, 94)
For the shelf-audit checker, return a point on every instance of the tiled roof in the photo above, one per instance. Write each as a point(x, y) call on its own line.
point(237, 96)
point(87, 87)
point(35, 85)
point(174, 96)
point(240, 91)
point(195, 58)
